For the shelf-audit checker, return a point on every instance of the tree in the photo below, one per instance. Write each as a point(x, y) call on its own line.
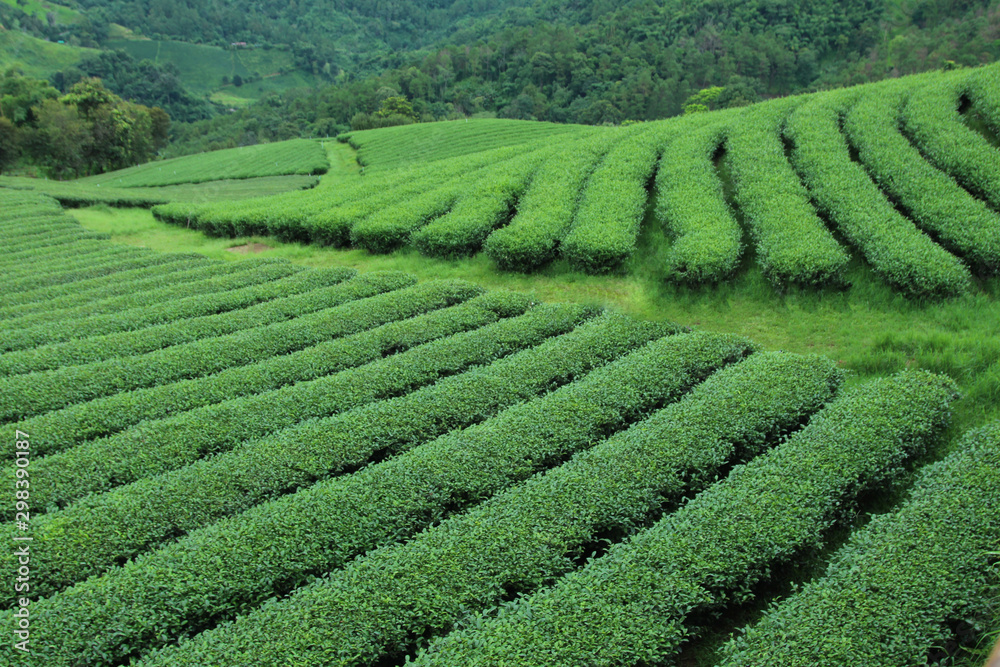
point(396, 105)
point(9, 149)
point(62, 141)
point(703, 100)
point(19, 95)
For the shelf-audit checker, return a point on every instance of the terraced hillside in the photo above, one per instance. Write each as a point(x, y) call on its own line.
point(903, 176)
point(231, 174)
point(255, 463)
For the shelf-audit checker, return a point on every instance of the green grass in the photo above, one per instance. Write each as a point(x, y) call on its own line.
point(36, 57)
point(40, 10)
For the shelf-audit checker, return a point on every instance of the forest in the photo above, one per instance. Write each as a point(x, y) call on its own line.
point(588, 62)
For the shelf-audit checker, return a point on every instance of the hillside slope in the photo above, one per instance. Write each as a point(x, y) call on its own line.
point(891, 174)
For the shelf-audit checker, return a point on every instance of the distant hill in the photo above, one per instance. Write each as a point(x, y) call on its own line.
point(588, 62)
point(37, 57)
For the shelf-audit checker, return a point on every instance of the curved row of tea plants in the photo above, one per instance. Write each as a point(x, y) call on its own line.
point(706, 240)
point(630, 605)
point(792, 243)
point(605, 228)
point(892, 592)
point(931, 120)
point(932, 199)
point(903, 255)
point(546, 211)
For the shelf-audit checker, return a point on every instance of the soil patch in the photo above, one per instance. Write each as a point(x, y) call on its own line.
point(249, 248)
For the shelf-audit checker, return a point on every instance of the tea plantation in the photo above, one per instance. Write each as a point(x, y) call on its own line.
point(252, 462)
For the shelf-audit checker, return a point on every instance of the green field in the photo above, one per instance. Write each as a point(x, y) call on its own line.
point(37, 57)
point(719, 390)
point(283, 158)
point(41, 9)
point(73, 194)
point(202, 68)
point(783, 181)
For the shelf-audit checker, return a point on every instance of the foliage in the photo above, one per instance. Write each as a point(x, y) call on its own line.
point(841, 189)
point(792, 243)
point(960, 222)
point(142, 82)
point(629, 605)
point(891, 593)
point(703, 100)
point(546, 210)
point(588, 62)
point(606, 224)
point(706, 241)
point(88, 129)
point(930, 118)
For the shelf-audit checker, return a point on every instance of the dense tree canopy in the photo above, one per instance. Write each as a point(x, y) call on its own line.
point(138, 81)
point(591, 61)
point(87, 130)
